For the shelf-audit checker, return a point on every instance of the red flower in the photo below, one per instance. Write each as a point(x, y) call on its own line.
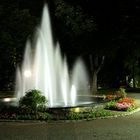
point(126, 100)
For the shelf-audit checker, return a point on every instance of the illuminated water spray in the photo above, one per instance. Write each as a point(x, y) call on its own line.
point(44, 69)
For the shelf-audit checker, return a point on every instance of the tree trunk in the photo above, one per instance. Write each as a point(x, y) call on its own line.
point(134, 80)
point(94, 83)
point(95, 68)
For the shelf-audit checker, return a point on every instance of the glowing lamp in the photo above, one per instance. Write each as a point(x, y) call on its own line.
point(27, 73)
point(6, 99)
point(77, 109)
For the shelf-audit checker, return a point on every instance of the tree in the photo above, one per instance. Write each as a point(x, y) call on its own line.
point(87, 34)
point(77, 31)
point(130, 37)
point(16, 26)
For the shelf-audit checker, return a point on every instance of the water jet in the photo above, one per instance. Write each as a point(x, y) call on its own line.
point(45, 69)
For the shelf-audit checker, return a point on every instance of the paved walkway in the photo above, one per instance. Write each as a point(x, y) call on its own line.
point(121, 128)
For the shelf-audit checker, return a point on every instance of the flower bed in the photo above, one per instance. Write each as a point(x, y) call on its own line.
point(123, 104)
point(111, 97)
point(78, 113)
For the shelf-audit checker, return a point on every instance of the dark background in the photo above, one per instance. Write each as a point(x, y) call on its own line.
point(84, 28)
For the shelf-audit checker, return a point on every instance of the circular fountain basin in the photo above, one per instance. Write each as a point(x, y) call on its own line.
point(82, 101)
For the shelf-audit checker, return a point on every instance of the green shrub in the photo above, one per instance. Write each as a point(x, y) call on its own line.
point(32, 101)
point(121, 92)
point(99, 113)
point(25, 117)
point(44, 116)
point(75, 116)
point(110, 105)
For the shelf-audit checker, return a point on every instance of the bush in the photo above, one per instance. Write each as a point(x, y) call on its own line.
point(32, 101)
point(44, 116)
point(121, 92)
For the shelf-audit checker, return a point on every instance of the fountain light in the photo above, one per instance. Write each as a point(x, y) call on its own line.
point(77, 109)
point(27, 73)
point(73, 94)
point(7, 99)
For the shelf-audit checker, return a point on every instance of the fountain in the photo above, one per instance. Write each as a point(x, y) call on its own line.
point(45, 69)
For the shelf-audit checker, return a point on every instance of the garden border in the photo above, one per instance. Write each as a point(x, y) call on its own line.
point(120, 114)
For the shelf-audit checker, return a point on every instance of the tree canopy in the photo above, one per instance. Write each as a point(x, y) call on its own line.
point(99, 28)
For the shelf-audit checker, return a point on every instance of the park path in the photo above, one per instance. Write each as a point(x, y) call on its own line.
point(121, 128)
